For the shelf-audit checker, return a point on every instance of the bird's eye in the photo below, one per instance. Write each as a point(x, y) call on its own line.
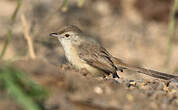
point(67, 35)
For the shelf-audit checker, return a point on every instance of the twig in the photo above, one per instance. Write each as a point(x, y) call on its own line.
point(171, 30)
point(9, 32)
point(28, 37)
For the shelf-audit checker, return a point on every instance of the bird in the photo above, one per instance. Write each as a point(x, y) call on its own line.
point(84, 52)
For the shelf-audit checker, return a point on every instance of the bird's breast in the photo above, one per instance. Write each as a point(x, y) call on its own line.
point(73, 57)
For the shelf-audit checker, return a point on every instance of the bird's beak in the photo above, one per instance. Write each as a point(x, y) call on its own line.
point(54, 34)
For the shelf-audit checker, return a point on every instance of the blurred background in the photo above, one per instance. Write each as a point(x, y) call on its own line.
point(141, 32)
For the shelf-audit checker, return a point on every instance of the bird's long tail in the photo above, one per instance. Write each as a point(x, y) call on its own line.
point(121, 65)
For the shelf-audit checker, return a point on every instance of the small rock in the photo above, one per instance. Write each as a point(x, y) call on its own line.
point(131, 83)
point(98, 90)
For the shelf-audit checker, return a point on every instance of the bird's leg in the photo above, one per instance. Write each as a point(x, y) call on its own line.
point(114, 75)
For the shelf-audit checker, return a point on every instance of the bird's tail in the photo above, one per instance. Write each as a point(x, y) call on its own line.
point(121, 65)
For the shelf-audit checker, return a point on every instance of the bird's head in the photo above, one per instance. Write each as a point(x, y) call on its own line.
point(68, 34)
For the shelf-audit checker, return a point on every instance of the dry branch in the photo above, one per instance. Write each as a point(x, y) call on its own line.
point(28, 37)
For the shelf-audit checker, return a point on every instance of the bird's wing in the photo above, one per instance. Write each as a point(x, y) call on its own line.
point(97, 57)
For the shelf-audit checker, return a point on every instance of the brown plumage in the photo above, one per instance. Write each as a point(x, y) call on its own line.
point(84, 52)
point(70, 28)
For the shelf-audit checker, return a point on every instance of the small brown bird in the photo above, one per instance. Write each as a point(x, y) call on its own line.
point(82, 51)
